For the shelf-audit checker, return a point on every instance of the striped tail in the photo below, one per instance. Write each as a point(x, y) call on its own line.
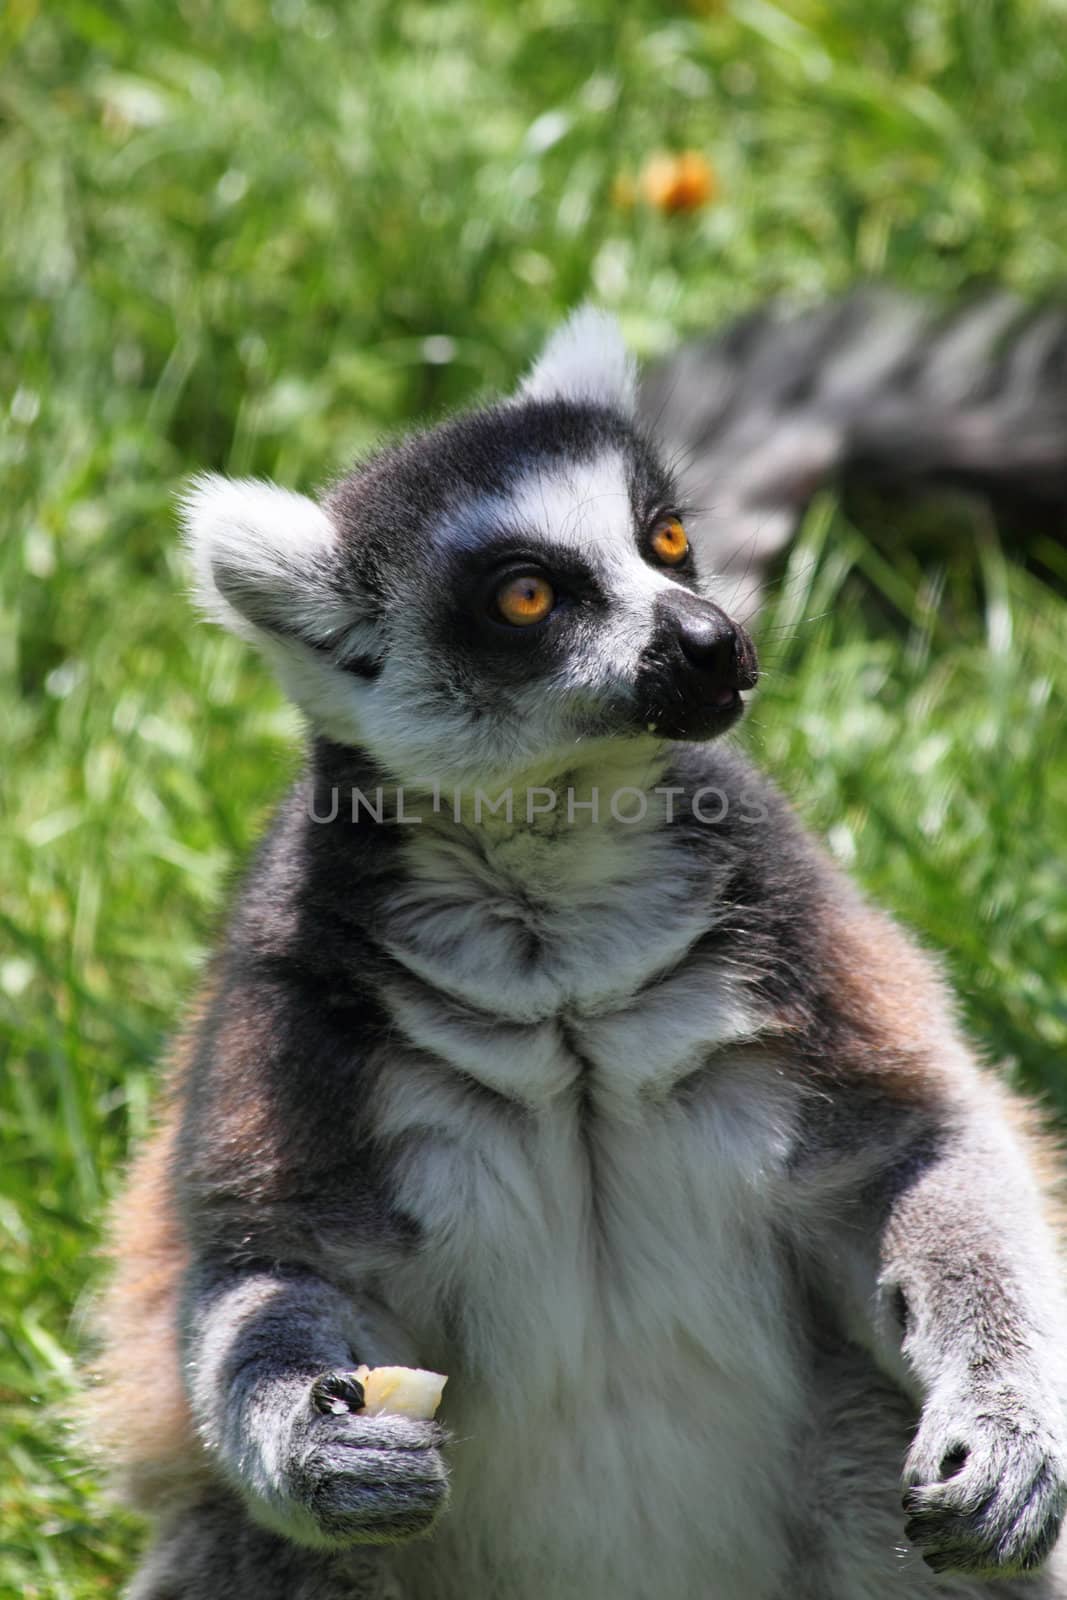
point(873, 387)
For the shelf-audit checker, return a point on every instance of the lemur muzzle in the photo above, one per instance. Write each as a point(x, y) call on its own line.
point(699, 662)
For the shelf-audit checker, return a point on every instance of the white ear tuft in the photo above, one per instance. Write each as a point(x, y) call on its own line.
point(586, 359)
point(263, 558)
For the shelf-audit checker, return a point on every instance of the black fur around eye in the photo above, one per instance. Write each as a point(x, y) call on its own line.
point(518, 596)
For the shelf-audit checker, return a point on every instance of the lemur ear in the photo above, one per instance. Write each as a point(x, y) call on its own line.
point(264, 559)
point(585, 359)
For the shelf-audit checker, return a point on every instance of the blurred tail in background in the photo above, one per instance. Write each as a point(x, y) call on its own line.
point(873, 389)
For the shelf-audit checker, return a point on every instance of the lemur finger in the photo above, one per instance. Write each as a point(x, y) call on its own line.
point(377, 1468)
point(336, 1393)
point(355, 1432)
point(1034, 1517)
point(994, 1531)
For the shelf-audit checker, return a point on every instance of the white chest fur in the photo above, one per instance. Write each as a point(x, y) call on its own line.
point(597, 1174)
point(537, 921)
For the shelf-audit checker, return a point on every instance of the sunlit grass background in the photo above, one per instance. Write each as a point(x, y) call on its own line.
point(255, 236)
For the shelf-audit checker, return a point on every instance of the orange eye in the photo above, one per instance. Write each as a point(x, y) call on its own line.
point(670, 543)
point(525, 600)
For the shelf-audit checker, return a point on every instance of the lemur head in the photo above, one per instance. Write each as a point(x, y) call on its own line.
point(484, 597)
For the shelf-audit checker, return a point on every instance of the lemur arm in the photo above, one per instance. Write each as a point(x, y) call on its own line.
point(946, 1270)
point(288, 1226)
point(916, 1186)
point(269, 1355)
point(964, 1273)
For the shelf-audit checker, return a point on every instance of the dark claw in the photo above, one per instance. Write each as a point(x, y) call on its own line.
point(337, 1392)
point(946, 1560)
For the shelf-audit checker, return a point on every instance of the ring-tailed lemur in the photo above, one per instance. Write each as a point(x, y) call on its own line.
point(545, 1049)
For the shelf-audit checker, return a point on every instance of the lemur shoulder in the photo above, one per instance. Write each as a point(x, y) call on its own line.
point(545, 1049)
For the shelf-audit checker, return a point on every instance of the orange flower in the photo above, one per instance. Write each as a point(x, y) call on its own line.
point(681, 182)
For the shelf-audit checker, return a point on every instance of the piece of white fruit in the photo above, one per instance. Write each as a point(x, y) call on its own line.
point(400, 1391)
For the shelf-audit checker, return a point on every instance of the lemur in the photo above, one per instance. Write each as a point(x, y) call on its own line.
point(545, 1049)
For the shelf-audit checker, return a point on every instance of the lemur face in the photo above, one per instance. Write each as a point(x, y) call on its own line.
point(486, 597)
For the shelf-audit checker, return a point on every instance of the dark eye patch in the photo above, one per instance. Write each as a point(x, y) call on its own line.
point(369, 668)
point(476, 573)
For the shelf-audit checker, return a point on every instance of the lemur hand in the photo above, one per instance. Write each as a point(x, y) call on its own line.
point(363, 1479)
point(986, 1479)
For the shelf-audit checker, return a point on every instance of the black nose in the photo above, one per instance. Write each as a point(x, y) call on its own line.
point(710, 644)
point(719, 650)
point(697, 663)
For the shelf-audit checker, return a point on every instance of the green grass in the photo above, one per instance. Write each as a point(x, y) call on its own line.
point(228, 231)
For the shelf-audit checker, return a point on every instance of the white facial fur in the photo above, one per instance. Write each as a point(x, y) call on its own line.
point(266, 567)
point(584, 506)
